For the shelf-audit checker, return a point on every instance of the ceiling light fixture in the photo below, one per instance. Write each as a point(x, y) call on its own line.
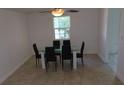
point(57, 12)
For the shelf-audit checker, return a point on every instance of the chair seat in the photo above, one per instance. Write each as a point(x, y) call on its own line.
point(79, 55)
point(58, 54)
point(50, 58)
point(66, 57)
point(38, 56)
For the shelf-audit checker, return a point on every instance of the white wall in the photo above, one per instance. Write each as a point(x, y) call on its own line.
point(120, 66)
point(102, 40)
point(84, 27)
point(14, 42)
point(113, 29)
point(103, 49)
point(109, 20)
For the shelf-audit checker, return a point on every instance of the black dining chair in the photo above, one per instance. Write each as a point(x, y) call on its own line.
point(37, 55)
point(80, 55)
point(66, 42)
point(56, 45)
point(50, 57)
point(67, 55)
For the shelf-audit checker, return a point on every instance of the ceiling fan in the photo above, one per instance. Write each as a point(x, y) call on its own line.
point(59, 11)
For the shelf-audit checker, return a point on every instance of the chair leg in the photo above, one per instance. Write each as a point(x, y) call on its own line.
point(46, 64)
point(71, 65)
point(62, 65)
point(82, 61)
point(60, 59)
point(36, 62)
point(56, 66)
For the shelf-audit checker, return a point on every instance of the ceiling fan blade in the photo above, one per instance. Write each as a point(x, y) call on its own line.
point(72, 11)
point(48, 11)
point(45, 11)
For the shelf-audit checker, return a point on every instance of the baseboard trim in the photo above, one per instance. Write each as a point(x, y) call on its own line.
point(102, 58)
point(13, 70)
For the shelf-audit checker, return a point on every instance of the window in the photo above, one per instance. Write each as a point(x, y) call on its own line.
point(62, 27)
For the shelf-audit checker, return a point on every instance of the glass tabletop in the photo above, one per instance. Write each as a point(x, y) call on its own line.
point(60, 50)
point(56, 50)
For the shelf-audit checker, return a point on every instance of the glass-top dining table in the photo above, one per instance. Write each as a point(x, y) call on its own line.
point(74, 51)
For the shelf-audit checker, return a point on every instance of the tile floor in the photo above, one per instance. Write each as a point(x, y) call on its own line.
point(95, 72)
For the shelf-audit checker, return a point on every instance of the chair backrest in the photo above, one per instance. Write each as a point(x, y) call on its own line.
point(35, 49)
point(50, 54)
point(66, 52)
point(56, 44)
point(66, 42)
point(82, 47)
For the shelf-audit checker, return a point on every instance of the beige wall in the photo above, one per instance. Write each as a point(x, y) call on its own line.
point(14, 42)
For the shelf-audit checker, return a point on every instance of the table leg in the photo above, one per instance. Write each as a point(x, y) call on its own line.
point(42, 60)
point(74, 60)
